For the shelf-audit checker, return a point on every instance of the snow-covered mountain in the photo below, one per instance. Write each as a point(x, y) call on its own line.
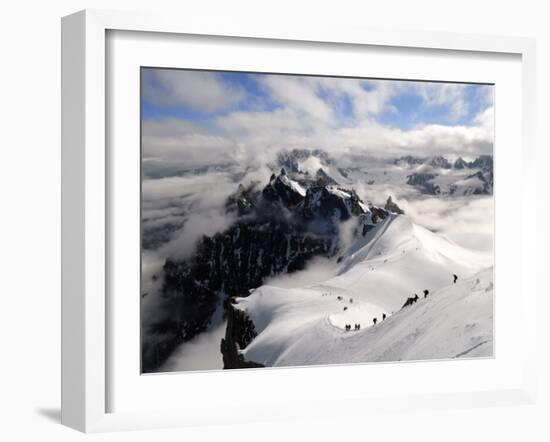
point(310, 209)
point(376, 275)
point(436, 175)
point(278, 230)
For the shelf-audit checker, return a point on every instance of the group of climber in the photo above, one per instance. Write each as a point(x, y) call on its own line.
point(426, 292)
point(375, 320)
point(410, 301)
point(356, 327)
point(415, 298)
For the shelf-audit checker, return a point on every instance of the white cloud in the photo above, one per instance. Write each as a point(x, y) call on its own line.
point(298, 94)
point(199, 354)
point(318, 269)
point(309, 115)
point(367, 98)
point(172, 145)
point(466, 221)
point(311, 165)
point(198, 223)
point(253, 138)
point(197, 200)
point(204, 91)
point(486, 120)
point(321, 98)
point(437, 139)
point(450, 95)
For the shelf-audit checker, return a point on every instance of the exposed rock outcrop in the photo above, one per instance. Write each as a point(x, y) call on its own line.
point(424, 182)
point(239, 333)
point(278, 230)
point(391, 206)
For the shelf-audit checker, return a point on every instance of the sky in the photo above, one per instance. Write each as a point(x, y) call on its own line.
point(197, 118)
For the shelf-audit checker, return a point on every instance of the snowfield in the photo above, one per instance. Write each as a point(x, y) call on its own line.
point(375, 276)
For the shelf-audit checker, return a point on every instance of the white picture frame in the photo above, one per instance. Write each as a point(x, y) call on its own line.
point(86, 202)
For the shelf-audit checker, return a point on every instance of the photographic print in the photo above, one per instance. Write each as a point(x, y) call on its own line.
point(296, 220)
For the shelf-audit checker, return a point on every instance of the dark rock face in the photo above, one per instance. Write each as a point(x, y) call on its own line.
point(272, 235)
point(155, 236)
point(330, 202)
point(229, 263)
point(460, 163)
point(377, 215)
point(440, 162)
point(409, 160)
point(239, 333)
point(290, 160)
point(282, 188)
point(243, 201)
point(424, 182)
point(391, 206)
point(486, 177)
point(484, 162)
point(484, 165)
point(323, 179)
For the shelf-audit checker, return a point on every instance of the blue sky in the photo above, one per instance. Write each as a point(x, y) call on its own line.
point(255, 98)
point(410, 105)
point(412, 110)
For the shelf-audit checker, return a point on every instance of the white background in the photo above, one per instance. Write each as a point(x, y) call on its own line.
point(272, 388)
point(30, 219)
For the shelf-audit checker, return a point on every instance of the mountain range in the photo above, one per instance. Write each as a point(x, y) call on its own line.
point(431, 177)
point(379, 255)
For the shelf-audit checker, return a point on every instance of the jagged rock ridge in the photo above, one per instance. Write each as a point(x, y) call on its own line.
point(278, 230)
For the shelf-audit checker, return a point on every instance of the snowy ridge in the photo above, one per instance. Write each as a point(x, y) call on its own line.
point(284, 179)
point(303, 326)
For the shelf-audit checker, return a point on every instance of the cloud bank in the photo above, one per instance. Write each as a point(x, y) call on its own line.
point(194, 118)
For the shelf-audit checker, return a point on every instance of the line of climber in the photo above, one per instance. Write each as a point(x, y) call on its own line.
point(426, 292)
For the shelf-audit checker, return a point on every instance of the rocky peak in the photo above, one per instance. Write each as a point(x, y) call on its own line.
point(440, 162)
point(484, 162)
point(243, 201)
point(409, 160)
point(323, 179)
point(391, 206)
point(291, 159)
point(282, 188)
point(331, 202)
point(267, 241)
point(424, 182)
point(460, 163)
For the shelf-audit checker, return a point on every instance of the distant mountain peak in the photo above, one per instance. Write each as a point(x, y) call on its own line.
point(323, 179)
point(460, 163)
point(409, 160)
point(439, 162)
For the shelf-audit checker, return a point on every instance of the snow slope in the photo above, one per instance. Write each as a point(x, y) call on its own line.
point(303, 326)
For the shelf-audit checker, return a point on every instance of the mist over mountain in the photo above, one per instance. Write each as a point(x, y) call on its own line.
point(308, 208)
point(436, 176)
point(277, 230)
